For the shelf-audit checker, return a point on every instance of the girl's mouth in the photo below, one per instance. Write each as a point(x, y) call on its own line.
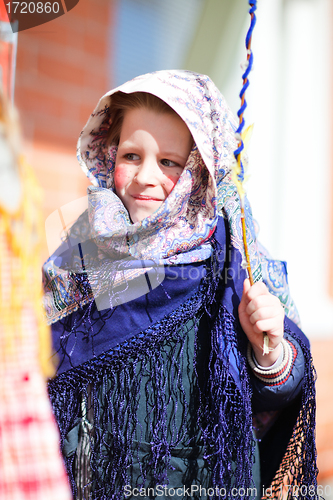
point(142, 197)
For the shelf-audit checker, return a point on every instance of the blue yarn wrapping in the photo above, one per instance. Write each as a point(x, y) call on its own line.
point(246, 83)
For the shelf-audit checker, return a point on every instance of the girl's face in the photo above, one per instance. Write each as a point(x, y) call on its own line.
point(152, 152)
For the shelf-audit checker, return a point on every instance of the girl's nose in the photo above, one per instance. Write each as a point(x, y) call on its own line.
point(147, 173)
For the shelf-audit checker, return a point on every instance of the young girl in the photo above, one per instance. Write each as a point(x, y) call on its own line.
point(158, 334)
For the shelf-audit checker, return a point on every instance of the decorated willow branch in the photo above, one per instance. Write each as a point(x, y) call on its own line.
point(243, 138)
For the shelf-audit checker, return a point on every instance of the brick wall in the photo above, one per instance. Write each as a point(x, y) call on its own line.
point(62, 70)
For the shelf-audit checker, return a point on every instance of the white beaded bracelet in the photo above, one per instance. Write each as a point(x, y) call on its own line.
point(275, 375)
point(274, 365)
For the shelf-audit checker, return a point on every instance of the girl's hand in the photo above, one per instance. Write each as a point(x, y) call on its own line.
point(261, 312)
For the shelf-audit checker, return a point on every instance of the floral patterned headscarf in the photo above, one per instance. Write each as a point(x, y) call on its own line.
point(181, 227)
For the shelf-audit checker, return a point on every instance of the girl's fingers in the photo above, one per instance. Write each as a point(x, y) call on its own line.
point(244, 300)
point(264, 313)
point(246, 286)
point(261, 312)
point(263, 302)
point(256, 290)
point(269, 326)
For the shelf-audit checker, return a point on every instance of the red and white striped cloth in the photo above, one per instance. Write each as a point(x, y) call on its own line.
point(31, 467)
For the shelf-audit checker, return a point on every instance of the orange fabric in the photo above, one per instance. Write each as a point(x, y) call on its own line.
point(3, 13)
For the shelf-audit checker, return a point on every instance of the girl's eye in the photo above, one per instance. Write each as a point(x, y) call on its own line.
point(169, 163)
point(131, 157)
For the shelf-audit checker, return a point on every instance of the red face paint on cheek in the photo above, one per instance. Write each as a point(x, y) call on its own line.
point(121, 177)
point(169, 182)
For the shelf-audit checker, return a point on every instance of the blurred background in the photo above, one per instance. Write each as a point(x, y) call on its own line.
point(64, 66)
